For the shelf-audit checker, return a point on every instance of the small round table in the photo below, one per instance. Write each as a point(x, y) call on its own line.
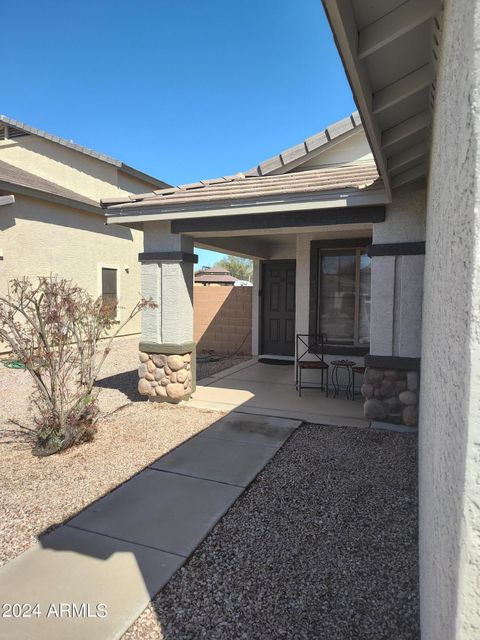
point(347, 366)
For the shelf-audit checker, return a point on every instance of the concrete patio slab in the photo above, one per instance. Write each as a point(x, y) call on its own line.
point(221, 460)
point(71, 566)
point(166, 511)
point(252, 429)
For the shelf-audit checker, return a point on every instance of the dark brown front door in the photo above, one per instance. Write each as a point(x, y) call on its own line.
point(278, 308)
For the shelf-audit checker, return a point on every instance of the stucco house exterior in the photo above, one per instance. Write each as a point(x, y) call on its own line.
point(51, 221)
point(383, 208)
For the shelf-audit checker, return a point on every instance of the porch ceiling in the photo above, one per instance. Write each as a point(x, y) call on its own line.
point(280, 244)
point(389, 50)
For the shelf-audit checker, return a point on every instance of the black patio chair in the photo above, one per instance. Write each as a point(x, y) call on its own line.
point(310, 344)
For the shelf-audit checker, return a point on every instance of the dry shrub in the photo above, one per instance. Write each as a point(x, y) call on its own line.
point(53, 327)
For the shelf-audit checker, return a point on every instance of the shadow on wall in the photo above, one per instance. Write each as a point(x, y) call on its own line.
point(223, 319)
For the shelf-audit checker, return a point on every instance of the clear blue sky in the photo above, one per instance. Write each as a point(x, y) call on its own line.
point(180, 89)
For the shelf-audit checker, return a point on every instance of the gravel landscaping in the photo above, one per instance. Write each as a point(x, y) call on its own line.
point(37, 493)
point(323, 545)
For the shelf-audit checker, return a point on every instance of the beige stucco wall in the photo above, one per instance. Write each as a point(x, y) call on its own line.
point(353, 148)
point(74, 170)
point(449, 459)
point(39, 238)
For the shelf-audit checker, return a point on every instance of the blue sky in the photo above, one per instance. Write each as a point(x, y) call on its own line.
point(180, 89)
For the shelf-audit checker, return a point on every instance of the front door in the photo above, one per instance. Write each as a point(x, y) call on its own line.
point(278, 308)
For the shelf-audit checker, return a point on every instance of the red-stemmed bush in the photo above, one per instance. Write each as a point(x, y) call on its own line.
point(53, 327)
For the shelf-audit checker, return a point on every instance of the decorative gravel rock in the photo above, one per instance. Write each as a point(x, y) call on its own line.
point(175, 362)
point(182, 375)
point(400, 386)
point(161, 391)
point(408, 397)
point(387, 392)
point(144, 387)
point(367, 390)
point(412, 380)
point(373, 375)
point(159, 373)
point(159, 359)
point(151, 366)
point(171, 371)
point(410, 416)
point(175, 391)
point(375, 409)
point(322, 546)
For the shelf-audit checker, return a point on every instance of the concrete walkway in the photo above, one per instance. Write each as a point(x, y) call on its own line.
point(120, 551)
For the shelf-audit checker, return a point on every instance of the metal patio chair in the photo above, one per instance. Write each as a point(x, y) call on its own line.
point(310, 344)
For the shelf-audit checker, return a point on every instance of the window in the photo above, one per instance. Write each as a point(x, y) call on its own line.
point(343, 305)
point(109, 291)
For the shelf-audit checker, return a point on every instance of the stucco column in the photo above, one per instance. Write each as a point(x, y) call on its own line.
point(391, 388)
point(167, 349)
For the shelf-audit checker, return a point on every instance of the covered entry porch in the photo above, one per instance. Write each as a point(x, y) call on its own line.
point(326, 230)
point(268, 389)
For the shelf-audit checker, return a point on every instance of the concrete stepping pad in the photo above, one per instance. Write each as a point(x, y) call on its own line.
point(221, 460)
point(77, 567)
point(252, 429)
point(166, 511)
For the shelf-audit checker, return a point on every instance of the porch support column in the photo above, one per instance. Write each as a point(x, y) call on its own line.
point(391, 388)
point(167, 349)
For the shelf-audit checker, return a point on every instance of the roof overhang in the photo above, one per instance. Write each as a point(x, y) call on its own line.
point(389, 49)
point(49, 197)
point(142, 214)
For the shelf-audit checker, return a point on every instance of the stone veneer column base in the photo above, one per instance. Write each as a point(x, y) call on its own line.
point(391, 395)
point(167, 372)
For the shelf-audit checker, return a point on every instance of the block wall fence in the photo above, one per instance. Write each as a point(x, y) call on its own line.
point(223, 319)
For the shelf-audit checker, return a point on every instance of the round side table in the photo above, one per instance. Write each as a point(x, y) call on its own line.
point(347, 366)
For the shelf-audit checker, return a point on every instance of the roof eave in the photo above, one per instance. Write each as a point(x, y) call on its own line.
point(50, 197)
point(346, 37)
point(345, 198)
point(144, 176)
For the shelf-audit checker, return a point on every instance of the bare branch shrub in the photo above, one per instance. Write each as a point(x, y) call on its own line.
point(53, 327)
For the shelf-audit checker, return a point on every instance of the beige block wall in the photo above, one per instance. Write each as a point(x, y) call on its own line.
point(39, 238)
point(223, 319)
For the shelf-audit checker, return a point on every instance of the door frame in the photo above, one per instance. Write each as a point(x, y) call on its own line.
point(262, 298)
